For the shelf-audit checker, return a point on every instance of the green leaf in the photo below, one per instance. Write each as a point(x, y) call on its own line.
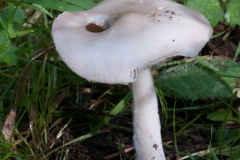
point(219, 115)
point(7, 50)
point(232, 15)
point(64, 5)
point(203, 79)
point(121, 146)
point(211, 9)
point(13, 17)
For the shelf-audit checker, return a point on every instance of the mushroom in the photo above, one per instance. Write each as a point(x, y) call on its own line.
point(118, 41)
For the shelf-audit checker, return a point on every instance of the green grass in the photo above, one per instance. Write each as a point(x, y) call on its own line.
point(47, 95)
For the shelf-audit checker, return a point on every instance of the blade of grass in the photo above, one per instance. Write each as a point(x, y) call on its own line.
point(219, 34)
point(194, 108)
point(174, 129)
point(89, 135)
point(188, 124)
point(67, 5)
point(237, 52)
point(114, 111)
point(213, 154)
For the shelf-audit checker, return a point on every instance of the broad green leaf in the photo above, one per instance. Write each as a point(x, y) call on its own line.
point(203, 79)
point(219, 115)
point(7, 50)
point(232, 15)
point(211, 9)
point(64, 5)
point(13, 17)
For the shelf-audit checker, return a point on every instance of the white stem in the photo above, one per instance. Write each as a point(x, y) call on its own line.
point(146, 122)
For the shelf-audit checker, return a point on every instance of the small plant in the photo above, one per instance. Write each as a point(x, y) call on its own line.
point(208, 79)
point(217, 11)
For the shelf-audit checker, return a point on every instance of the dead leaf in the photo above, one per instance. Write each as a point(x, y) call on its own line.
point(9, 126)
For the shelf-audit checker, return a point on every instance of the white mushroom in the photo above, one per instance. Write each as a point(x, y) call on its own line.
point(119, 40)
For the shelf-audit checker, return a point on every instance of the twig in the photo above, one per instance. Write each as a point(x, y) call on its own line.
point(119, 153)
point(200, 154)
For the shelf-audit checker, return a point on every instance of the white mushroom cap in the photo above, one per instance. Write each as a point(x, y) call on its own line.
point(116, 39)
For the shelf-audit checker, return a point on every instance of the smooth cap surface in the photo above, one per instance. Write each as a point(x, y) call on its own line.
point(115, 40)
